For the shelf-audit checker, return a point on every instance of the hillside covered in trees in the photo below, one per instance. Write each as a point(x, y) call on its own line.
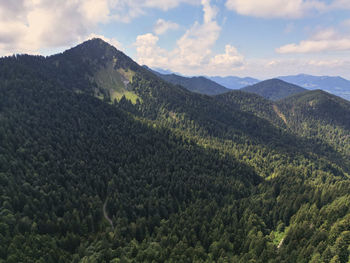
point(274, 89)
point(200, 84)
point(183, 177)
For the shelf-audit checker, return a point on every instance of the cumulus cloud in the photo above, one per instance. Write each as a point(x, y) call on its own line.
point(230, 58)
point(95, 10)
point(194, 47)
point(276, 8)
point(193, 51)
point(149, 53)
point(27, 26)
point(210, 12)
point(163, 26)
point(324, 40)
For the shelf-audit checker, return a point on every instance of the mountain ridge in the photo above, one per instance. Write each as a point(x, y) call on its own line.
point(183, 176)
point(198, 84)
point(274, 89)
point(336, 85)
point(333, 84)
point(233, 82)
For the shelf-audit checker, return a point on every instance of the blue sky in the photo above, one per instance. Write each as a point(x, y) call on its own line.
point(255, 38)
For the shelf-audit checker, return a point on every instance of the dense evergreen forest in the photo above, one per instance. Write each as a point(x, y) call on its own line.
point(201, 85)
point(274, 89)
point(103, 161)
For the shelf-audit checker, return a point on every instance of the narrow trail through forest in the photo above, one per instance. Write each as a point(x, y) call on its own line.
point(280, 244)
point(106, 215)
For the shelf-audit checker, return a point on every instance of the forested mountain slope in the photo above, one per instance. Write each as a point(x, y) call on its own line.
point(252, 103)
point(274, 89)
point(185, 177)
point(233, 82)
point(318, 114)
point(200, 85)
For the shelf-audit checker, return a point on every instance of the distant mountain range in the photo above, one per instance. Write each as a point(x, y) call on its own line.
point(273, 89)
point(230, 82)
point(335, 85)
point(233, 82)
point(162, 71)
point(195, 84)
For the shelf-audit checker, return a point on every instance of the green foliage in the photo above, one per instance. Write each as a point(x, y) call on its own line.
point(274, 89)
point(185, 177)
point(200, 85)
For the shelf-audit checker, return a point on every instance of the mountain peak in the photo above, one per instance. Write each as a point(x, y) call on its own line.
point(102, 70)
point(94, 48)
point(99, 53)
point(96, 43)
point(274, 89)
point(274, 81)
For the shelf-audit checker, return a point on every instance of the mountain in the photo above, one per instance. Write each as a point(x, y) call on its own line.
point(106, 72)
point(162, 71)
point(319, 116)
point(232, 82)
point(335, 85)
point(252, 103)
point(319, 105)
point(103, 161)
point(274, 89)
point(195, 84)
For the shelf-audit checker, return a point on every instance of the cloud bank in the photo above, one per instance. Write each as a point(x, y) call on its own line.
point(26, 26)
point(276, 8)
point(324, 41)
point(193, 52)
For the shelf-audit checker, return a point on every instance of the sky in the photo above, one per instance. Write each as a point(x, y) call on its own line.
point(256, 38)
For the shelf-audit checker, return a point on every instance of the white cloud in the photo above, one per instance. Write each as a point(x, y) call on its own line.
point(276, 8)
point(323, 41)
point(95, 10)
point(163, 26)
point(210, 12)
point(334, 63)
point(28, 26)
point(194, 47)
point(148, 51)
point(193, 51)
point(229, 59)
